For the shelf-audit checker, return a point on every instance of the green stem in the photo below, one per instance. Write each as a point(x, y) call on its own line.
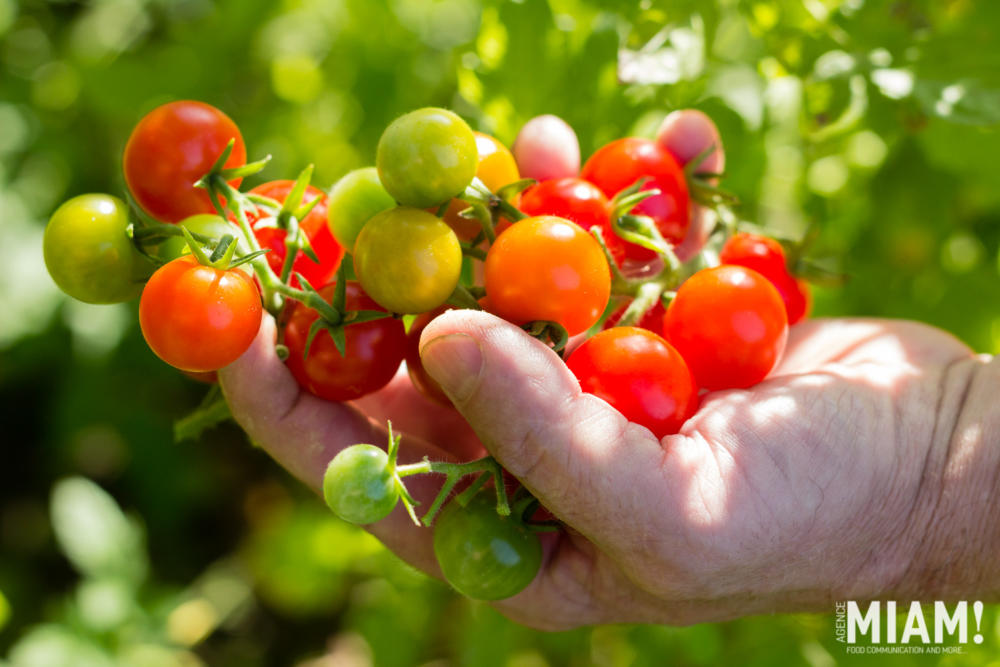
point(291, 248)
point(475, 253)
point(646, 298)
point(270, 282)
point(463, 298)
point(453, 472)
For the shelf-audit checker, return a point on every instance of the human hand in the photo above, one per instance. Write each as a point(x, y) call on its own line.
point(843, 476)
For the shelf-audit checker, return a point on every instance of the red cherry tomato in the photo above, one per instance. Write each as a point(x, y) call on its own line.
point(329, 252)
point(571, 198)
point(199, 318)
point(424, 383)
point(547, 268)
point(729, 324)
point(371, 356)
point(577, 200)
point(619, 164)
point(796, 294)
point(640, 375)
point(172, 147)
point(766, 256)
point(760, 253)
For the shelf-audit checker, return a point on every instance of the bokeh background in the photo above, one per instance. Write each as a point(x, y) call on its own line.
point(876, 119)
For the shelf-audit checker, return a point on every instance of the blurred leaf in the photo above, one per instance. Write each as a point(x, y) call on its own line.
point(961, 101)
point(213, 411)
point(93, 532)
point(54, 646)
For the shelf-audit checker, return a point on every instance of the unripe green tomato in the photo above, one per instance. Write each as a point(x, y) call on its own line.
point(408, 260)
point(206, 224)
point(88, 253)
point(353, 201)
point(358, 485)
point(485, 556)
point(426, 157)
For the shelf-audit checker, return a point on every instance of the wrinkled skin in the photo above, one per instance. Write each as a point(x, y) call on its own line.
point(863, 468)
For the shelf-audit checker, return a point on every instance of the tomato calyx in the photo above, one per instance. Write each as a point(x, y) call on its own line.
point(702, 186)
point(485, 469)
point(333, 315)
point(551, 333)
point(223, 255)
point(362, 484)
point(487, 207)
point(286, 216)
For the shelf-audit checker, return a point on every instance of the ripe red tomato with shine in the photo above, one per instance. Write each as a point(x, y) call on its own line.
point(372, 353)
point(172, 147)
point(619, 164)
point(640, 375)
point(199, 318)
point(547, 268)
point(729, 324)
point(577, 200)
point(766, 256)
point(329, 252)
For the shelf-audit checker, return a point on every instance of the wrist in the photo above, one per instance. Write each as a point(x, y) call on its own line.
point(959, 516)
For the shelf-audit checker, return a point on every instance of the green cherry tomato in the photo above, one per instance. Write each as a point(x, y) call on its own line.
point(483, 555)
point(358, 485)
point(408, 260)
point(353, 201)
point(88, 253)
point(426, 157)
point(206, 224)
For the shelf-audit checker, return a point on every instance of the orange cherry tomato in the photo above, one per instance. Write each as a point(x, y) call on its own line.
point(547, 268)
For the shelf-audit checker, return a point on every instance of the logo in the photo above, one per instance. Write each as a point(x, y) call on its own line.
point(891, 627)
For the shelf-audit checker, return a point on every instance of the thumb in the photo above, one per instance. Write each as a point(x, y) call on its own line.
point(572, 450)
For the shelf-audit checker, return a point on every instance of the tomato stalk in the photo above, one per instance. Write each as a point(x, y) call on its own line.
point(487, 467)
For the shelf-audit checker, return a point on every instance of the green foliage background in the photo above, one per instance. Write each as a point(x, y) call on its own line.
point(876, 119)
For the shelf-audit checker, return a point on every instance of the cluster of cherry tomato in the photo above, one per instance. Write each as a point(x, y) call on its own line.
point(447, 217)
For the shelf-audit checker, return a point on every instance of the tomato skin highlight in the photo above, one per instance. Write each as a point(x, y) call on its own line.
point(408, 260)
point(372, 353)
point(88, 254)
point(483, 555)
point(640, 375)
point(767, 257)
point(328, 251)
point(199, 318)
point(619, 164)
point(172, 147)
point(729, 324)
point(547, 268)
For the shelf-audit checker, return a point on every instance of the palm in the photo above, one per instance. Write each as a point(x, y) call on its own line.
point(770, 498)
point(766, 495)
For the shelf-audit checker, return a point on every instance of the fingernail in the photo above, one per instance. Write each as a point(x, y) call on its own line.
point(455, 361)
point(688, 132)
